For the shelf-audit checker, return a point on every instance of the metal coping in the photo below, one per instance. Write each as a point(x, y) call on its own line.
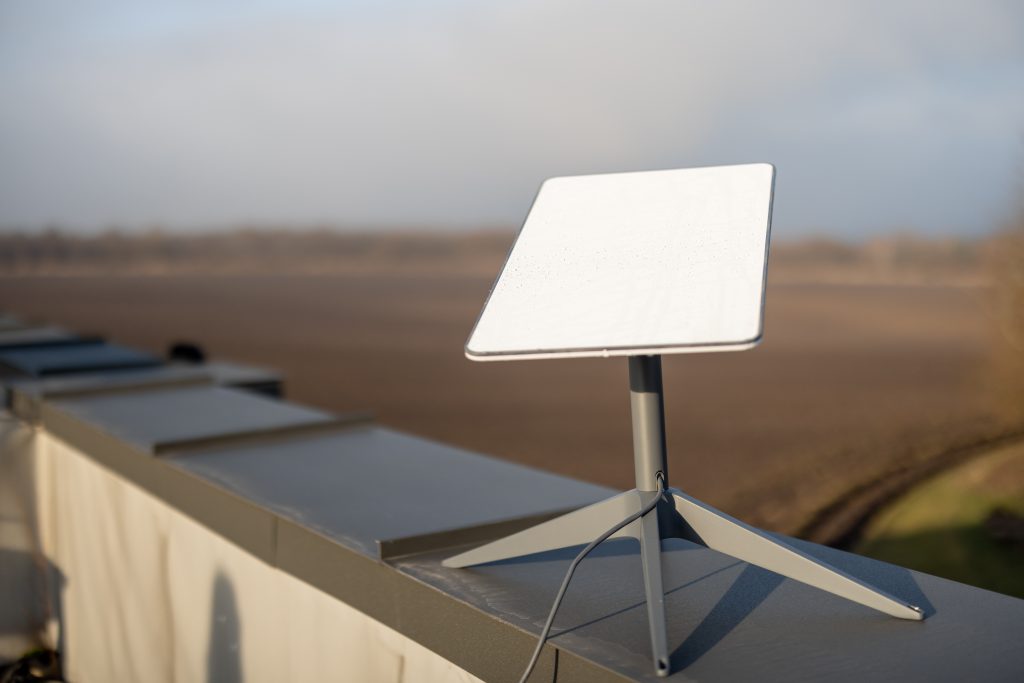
point(193, 417)
point(722, 612)
point(27, 394)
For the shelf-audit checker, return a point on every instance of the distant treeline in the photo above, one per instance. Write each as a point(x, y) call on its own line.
point(322, 251)
point(896, 258)
point(155, 252)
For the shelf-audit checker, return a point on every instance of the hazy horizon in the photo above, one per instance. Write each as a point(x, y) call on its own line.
point(895, 236)
point(191, 116)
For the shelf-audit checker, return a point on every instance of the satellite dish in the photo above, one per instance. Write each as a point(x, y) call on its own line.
point(640, 265)
point(628, 264)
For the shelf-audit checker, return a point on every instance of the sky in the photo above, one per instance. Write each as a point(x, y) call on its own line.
point(201, 114)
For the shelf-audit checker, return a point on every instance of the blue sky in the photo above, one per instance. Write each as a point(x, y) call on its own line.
point(192, 115)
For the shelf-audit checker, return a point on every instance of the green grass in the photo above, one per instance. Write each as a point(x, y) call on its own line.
point(939, 526)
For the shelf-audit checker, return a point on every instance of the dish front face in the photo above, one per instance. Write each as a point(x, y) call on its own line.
point(634, 263)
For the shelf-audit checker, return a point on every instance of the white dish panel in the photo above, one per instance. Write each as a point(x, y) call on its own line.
point(634, 263)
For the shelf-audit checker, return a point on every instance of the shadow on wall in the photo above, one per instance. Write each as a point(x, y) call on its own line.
point(223, 656)
point(24, 601)
point(747, 592)
point(29, 584)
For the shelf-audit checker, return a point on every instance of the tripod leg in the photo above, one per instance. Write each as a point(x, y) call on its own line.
point(721, 532)
point(575, 528)
point(650, 550)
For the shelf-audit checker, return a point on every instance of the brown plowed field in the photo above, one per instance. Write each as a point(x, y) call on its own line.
point(851, 382)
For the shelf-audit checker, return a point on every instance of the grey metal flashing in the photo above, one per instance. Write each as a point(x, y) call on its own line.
point(109, 450)
point(361, 581)
point(272, 434)
point(26, 395)
point(25, 406)
point(372, 488)
point(96, 425)
point(321, 506)
point(247, 525)
point(157, 421)
point(238, 520)
point(18, 337)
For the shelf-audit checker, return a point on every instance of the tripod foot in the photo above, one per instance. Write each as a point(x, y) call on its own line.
point(720, 532)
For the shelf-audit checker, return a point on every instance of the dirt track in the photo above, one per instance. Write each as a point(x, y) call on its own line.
point(851, 381)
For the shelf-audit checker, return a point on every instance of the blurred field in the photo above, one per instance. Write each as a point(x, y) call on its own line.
point(876, 359)
point(977, 533)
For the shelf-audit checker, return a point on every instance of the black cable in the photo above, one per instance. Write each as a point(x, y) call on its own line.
point(546, 632)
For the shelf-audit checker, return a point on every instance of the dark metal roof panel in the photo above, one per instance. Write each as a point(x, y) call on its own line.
point(75, 358)
point(246, 376)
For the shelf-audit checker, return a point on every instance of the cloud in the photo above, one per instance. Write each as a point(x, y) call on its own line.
point(878, 115)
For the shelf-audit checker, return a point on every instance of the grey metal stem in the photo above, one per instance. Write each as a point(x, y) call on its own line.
point(651, 463)
point(648, 409)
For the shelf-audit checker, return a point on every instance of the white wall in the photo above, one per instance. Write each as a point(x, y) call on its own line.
point(148, 594)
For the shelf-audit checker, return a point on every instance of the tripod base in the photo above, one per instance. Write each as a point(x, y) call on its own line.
point(680, 516)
